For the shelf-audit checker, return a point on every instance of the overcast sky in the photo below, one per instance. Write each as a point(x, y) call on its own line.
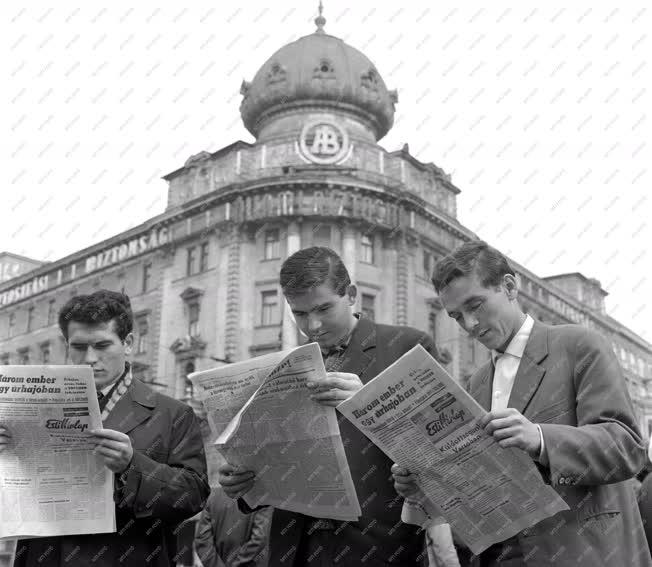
point(538, 110)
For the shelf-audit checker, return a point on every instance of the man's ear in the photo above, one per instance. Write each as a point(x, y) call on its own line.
point(129, 343)
point(510, 286)
point(351, 293)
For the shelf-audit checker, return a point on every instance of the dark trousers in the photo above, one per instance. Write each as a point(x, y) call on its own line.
point(322, 548)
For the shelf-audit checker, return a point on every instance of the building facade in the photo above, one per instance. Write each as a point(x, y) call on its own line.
point(203, 275)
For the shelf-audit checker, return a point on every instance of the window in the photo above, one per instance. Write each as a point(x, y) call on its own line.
point(147, 275)
point(272, 244)
point(12, 324)
point(194, 263)
point(191, 261)
point(142, 328)
point(23, 356)
point(269, 314)
point(51, 311)
point(367, 243)
point(427, 268)
point(369, 306)
point(203, 257)
point(45, 353)
point(30, 319)
point(432, 324)
point(321, 235)
point(193, 319)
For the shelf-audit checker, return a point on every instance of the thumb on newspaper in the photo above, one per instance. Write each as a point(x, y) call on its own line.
point(5, 438)
point(405, 482)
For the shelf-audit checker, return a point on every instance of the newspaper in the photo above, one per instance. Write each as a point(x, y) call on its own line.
point(262, 419)
point(423, 420)
point(51, 482)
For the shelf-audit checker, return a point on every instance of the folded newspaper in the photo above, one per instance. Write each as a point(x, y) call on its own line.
point(262, 419)
point(422, 419)
point(51, 481)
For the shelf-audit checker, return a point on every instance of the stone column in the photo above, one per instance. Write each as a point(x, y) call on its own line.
point(289, 328)
point(349, 256)
point(232, 323)
point(402, 267)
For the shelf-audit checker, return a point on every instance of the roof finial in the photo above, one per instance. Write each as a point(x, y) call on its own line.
point(320, 21)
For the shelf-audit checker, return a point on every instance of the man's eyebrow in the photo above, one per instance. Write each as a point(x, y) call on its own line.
point(472, 299)
point(316, 308)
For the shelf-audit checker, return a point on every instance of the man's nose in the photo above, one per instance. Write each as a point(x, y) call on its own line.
point(314, 323)
point(91, 356)
point(470, 322)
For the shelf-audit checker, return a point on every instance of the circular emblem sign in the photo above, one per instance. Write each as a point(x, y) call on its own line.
point(323, 141)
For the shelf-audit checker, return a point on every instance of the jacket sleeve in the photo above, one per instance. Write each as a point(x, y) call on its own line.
point(254, 548)
point(606, 446)
point(205, 539)
point(171, 491)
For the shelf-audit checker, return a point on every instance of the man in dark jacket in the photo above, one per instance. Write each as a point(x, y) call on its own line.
point(319, 291)
point(152, 444)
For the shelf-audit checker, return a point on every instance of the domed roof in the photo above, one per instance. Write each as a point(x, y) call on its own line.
point(318, 71)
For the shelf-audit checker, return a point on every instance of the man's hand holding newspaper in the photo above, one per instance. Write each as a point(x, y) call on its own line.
point(273, 421)
point(509, 427)
point(336, 388)
point(456, 463)
point(5, 438)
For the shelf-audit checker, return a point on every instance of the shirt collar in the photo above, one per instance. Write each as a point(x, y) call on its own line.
point(516, 346)
point(342, 344)
point(109, 387)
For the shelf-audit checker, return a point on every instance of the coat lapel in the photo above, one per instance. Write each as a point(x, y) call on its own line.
point(137, 405)
point(530, 373)
point(480, 385)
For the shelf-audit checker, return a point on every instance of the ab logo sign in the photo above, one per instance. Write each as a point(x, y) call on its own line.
point(324, 142)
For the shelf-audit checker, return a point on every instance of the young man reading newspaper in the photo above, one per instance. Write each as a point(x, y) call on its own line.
point(150, 441)
point(557, 393)
point(319, 291)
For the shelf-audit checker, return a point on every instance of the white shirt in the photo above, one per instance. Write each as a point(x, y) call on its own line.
point(107, 389)
point(506, 366)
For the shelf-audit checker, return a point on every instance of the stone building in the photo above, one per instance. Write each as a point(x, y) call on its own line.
point(203, 275)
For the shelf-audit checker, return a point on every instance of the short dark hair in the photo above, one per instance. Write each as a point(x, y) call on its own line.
point(475, 256)
point(311, 267)
point(101, 306)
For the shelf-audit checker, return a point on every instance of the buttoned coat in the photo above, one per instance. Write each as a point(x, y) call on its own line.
point(164, 485)
point(570, 383)
point(378, 537)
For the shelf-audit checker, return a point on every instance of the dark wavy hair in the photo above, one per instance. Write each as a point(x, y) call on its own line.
point(476, 257)
point(311, 267)
point(100, 306)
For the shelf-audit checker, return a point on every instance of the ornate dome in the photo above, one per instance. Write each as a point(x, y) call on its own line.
point(318, 71)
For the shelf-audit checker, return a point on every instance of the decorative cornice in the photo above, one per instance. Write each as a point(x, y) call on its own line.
point(188, 345)
point(191, 294)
